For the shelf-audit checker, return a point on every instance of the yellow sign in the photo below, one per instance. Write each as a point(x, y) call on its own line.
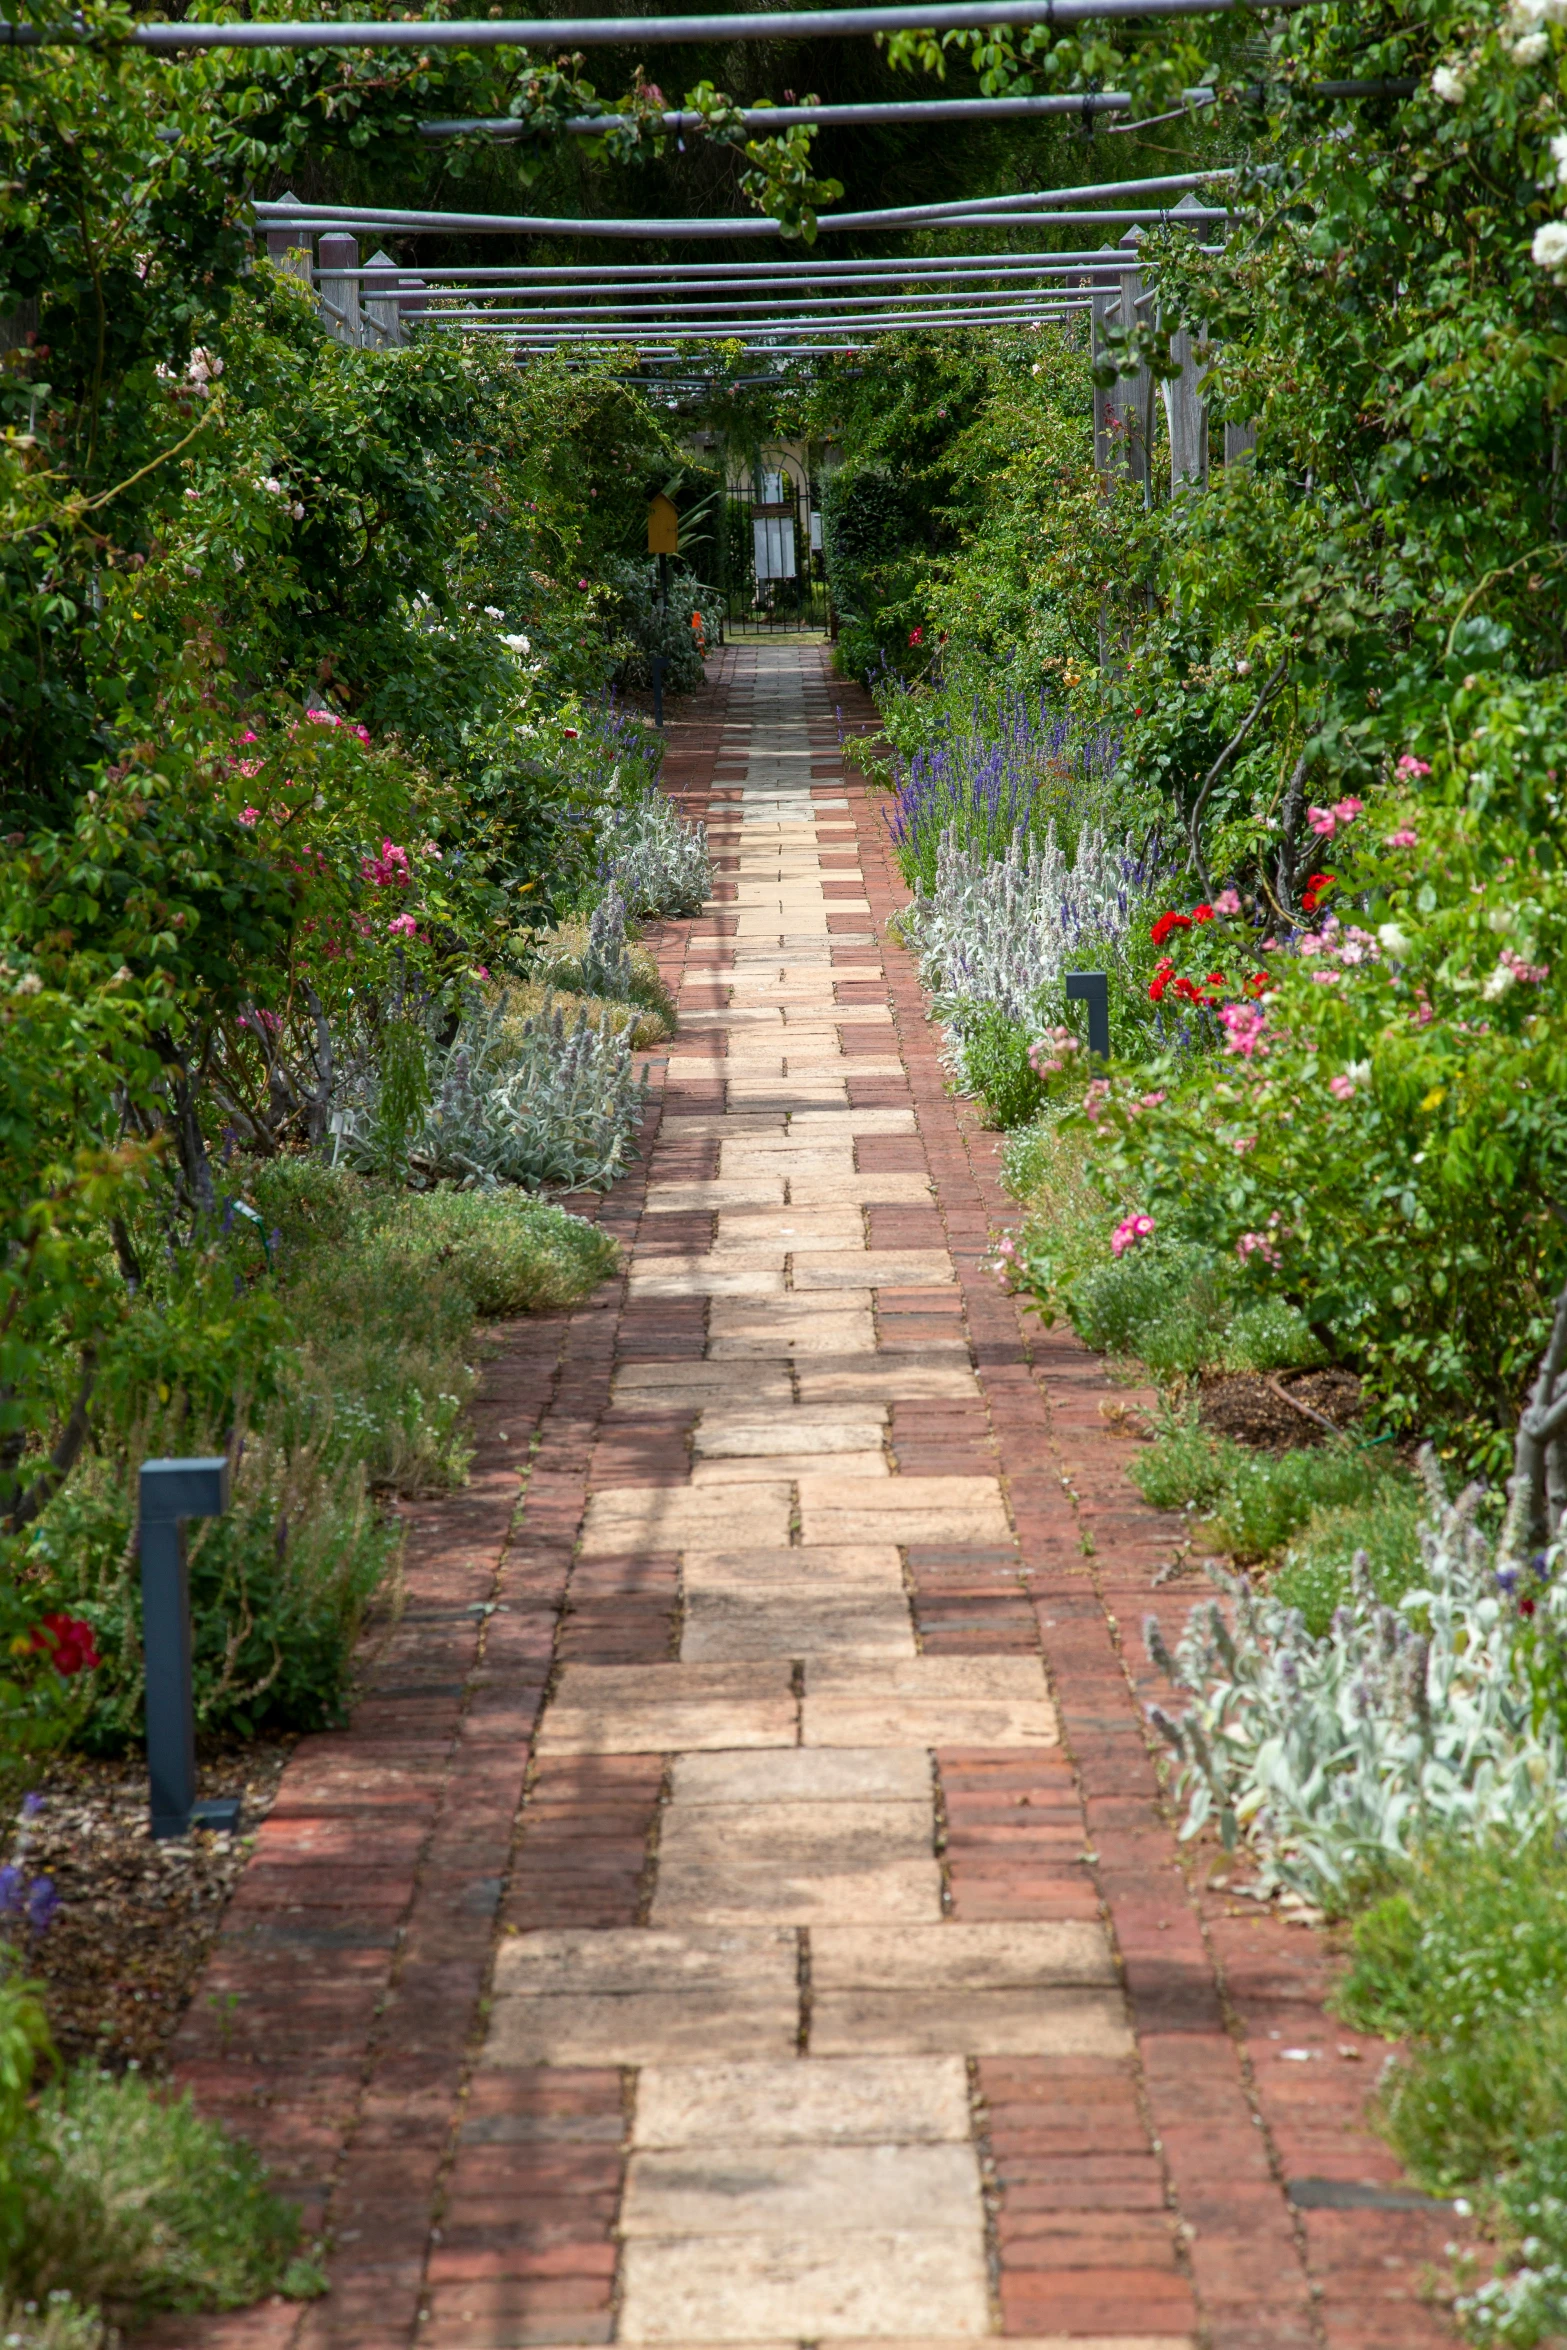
point(663, 526)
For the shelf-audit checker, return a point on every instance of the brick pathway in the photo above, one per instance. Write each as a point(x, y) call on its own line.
point(744, 1910)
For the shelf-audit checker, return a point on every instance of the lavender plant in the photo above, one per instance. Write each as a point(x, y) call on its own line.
point(1333, 1755)
point(995, 772)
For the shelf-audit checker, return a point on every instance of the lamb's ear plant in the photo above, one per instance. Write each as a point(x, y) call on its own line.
point(531, 1103)
point(658, 862)
point(606, 959)
point(1333, 1757)
point(995, 934)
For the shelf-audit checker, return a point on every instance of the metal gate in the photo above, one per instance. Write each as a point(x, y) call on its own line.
point(773, 575)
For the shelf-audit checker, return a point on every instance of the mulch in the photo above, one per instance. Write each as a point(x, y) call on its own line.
point(1282, 1412)
point(123, 1953)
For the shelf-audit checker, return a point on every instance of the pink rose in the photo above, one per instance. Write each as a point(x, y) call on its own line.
point(1129, 1232)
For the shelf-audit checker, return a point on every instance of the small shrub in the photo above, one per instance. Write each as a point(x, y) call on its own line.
point(279, 1585)
point(136, 2203)
point(996, 1067)
point(564, 959)
point(1164, 1301)
point(55, 2323)
point(1253, 1502)
point(535, 1102)
point(1271, 1335)
point(509, 1254)
point(1466, 1961)
point(1315, 1576)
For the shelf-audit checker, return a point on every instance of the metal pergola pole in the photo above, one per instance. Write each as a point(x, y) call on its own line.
point(1058, 203)
point(638, 32)
point(506, 127)
point(979, 302)
point(763, 271)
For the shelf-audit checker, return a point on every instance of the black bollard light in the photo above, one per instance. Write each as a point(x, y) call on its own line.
point(1093, 989)
point(658, 663)
point(171, 1492)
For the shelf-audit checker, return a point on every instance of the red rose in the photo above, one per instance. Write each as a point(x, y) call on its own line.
point(1202, 913)
point(68, 1644)
point(1526, 1607)
point(1165, 924)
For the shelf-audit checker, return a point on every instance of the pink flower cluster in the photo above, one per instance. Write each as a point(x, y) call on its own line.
point(331, 718)
point(1526, 974)
point(1404, 839)
point(1050, 1055)
point(1228, 901)
point(1095, 1098)
point(1257, 1244)
point(1245, 1026)
point(1325, 822)
point(1410, 769)
point(1129, 1232)
point(389, 867)
point(403, 926)
point(1339, 942)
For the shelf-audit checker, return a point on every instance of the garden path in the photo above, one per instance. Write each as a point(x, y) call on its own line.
point(744, 1911)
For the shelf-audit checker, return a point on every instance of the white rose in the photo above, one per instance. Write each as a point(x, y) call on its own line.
point(516, 644)
point(297, 511)
point(1531, 48)
point(1500, 981)
point(274, 488)
point(1559, 154)
point(1390, 936)
point(1449, 86)
point(1549, 250)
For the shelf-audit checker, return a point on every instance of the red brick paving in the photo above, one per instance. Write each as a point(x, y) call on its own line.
point(1143, 2200)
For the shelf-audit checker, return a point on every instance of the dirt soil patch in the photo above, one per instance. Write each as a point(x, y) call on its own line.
point(1280, 1411)
point(122, 1953)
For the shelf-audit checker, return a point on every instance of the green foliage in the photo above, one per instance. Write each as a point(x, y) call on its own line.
point(1252, 1502)
point(341, 1369)
point(997, 1068)
point(1385, 1151)
point(56, 2323)
point(557, 961)
point(1315, 1575)
point(134, 2202)
point(509, 1254)
point(1467, 1961)
point(1165, 1302)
